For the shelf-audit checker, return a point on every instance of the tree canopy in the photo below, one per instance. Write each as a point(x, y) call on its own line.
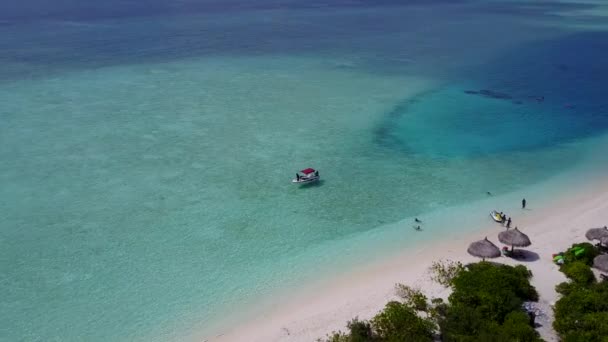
point(485, 305)
point(581, 314)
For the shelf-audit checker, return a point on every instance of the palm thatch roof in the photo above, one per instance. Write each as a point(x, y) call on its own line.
point(596, 233)
point(514, 238)
point(484, 249)
point(601, 262)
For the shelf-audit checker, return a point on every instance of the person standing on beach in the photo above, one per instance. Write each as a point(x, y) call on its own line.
point(509, 223)
point(523, 203)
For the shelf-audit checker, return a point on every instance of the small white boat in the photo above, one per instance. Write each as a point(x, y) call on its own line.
point(496, 216)
point(305, 176)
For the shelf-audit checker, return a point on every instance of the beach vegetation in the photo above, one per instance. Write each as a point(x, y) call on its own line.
point(338, 336)
point(400, 322)
point(444, 271)
point(584, 252)
point(487, 301)
point(486, 304)
point(565, 288)
point(581, 314)
point(579, 272)
point(412, 297)
point(360, 331)
point(396, 322)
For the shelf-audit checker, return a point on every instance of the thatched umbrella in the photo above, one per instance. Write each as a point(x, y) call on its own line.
point(596, 233)
point(604, 240)
point(601, 262)
point(484, 249)
point(514, 238)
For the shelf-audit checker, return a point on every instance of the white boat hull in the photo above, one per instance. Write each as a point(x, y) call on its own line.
point(305, 180)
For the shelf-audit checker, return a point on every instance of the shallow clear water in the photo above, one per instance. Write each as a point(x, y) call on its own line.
point(147, 156)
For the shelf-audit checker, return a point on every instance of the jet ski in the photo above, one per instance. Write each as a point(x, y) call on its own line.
point(496, 216)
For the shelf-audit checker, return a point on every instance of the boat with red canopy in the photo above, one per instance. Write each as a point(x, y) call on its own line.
point(308, 175)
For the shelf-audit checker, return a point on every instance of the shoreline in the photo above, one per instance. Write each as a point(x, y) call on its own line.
point(315, 309)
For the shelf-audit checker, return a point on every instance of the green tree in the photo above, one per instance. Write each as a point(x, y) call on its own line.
point(444, 271)
point(582, 314)
point(517, 327)
point(399, 322)
point(412, 297)
point(578, 272)
point(486, 304)
point(360, 331)
point(494, 290)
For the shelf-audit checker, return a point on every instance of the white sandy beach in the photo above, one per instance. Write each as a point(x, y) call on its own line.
point(552, 226)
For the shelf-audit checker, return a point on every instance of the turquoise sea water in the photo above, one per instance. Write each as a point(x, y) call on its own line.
point(147, 148)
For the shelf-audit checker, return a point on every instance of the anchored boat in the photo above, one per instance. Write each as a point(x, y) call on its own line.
point(305, 176)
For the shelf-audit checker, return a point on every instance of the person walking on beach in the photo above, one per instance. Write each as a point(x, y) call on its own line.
point(509, 223)
point(523, 203)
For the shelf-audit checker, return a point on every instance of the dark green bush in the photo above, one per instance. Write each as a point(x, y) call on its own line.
point(517, 327)
point(465, 324)
point(461, 323)
point(336, 337)
point(360, 331)
point(565, 288)
point(494, 290)
point(484, 296)
point(578, 272)
point(399, 322)
point(581, 314)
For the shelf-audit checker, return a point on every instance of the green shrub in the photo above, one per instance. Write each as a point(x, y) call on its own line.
point(517, 327)
point(412, 297)
point(581, 314)
point(578, 272)
point(336, 336)
point(443, 271)
point(396, 322)
point(460, 323)
point(495, 290)
point(486, 304)
point(360, 331)
point(399, 322)
point(565, 288)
